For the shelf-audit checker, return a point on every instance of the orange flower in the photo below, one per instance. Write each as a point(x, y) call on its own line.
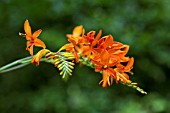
point(74, 39)
point(104, 62)
point(106, 54)
point(88, 43)
point(32, 38)
point(108, 57)
point(121, 71)
point(121, 68)
point(36, 59)
point(113, 47)
point(70, 48)
point(112, 68)
point(80, 43)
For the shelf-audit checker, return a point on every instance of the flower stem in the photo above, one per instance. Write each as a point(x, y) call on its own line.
point(19, 64)
point(16, 64)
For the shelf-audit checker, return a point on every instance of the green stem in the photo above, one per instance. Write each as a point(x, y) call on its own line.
point(19, 64)
point(16, 64)
point(13, 68)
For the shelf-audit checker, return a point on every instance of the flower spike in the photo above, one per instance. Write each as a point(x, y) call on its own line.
point(103, 54)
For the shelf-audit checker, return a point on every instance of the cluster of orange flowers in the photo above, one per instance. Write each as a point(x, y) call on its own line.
point(106, 55)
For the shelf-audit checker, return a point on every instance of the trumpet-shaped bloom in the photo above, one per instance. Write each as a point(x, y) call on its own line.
point(32, 38)
point(88, 43)
point(36, 59)
point(104, 62)
point(74, 39)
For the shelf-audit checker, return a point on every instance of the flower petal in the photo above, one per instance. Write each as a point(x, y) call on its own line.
point(37, 33)
point(76, 56)
point(36, 59)
point(109, 41)
point(98, 68)
point(27, 28)
point(129, 65)
point(66, 46)
point(105, 79)
point(105, 56)
point(125, 49)
point(97, 38)
point(31, 49)
point(39, 43)
point(28, 37)
point(77, 31)
point(29, 44)
point(72, 39)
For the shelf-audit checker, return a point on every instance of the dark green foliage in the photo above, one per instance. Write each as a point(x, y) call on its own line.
point(143, 24)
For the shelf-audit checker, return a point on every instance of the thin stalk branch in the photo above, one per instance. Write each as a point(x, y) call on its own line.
point(14, 68)
point(19, 64)
point(16, 64)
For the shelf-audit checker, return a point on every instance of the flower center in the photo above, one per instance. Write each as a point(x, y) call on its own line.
point(105, 66)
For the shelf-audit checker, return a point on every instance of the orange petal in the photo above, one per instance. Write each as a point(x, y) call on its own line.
point(98, 68)
point(31, 50)
point(126, 76)
point(105, 57)
point(129, 65)
point(66, 46)
point(109, 41)
point(76, 56)
point(83, 32)
point(117, 77)
point(120, 67)
point(97, 38)
point(100, 42)
point(117, 45)
point(90, 36)
point(105, 79)
point(119, 52)
point(72, 39)
point(39, 43)
point(27, 28)
point(29, 43)
point(123, 77)
point(36, 59)
point(28, 37)
point(112, 72)
point(126, 49)
point(77, 31)
point(37, 33)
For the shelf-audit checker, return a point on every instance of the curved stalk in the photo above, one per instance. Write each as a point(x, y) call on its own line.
point(19, 64)
point(16, 64)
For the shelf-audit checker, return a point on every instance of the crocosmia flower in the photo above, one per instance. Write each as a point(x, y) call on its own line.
point(32, 38)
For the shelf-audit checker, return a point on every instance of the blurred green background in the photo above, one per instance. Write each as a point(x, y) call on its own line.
point(143, 24)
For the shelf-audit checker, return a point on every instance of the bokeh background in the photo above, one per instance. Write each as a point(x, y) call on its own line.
point(143, 24)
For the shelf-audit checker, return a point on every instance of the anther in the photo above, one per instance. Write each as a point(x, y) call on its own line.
point(22, 34)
